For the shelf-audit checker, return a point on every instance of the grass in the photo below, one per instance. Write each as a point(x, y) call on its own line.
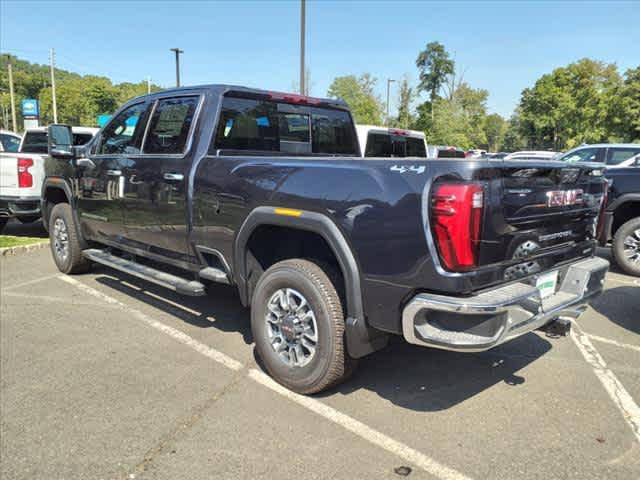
point(11, 241)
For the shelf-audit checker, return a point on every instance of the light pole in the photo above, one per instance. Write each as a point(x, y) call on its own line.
point(13, 100)
point(178, 52)
point(302, 46)
point(389, 80)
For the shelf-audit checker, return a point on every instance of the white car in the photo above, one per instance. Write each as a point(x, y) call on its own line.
point(531, 155)
point(22, 174)
point(378, 141)
point(614, 155)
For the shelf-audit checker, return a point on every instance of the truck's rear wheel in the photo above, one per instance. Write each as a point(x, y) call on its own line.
point(298, 327)
point(626, 246)
point(66, 244)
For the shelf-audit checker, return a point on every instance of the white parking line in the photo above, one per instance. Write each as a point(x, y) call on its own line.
point(172, 332)
point(30, 282)
point(613, 342)
point(610, 382)
point(341, 419)
point(360, 429)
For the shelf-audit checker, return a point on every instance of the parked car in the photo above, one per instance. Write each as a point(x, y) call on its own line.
point(531, 155)
point(613, 155)
point(9, 141)
point(22, 174)
point(390, 142)
point(497, 155)
point(620, 224)
point(333, 252)
point(444, 151)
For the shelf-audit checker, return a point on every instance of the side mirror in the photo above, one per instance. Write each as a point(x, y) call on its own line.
point(60, 142)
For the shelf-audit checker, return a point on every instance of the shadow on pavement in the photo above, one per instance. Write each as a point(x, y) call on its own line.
point(17, 229)
point(621, 305)
point(411, 377)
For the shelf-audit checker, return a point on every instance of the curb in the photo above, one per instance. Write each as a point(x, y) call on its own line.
point(23, 248)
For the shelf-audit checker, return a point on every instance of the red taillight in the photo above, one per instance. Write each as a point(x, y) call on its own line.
point(25, 179)
point(456, 211)
point(293, 98)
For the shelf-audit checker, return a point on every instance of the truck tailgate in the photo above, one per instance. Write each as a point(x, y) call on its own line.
point(9, 184)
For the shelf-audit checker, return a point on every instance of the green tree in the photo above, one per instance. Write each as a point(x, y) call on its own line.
point(358, 92)
point(570, 105)
point(434, 66)
point(513, 139)
point(624, 109)
point(406, 95)
point(495, 128)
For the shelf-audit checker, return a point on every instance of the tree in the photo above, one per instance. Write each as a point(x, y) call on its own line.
point(406, 96)
point(495, 128)
point(624, 109)
point(570, 105)
point(513, 140)
point(434, 66)
point(358, 92)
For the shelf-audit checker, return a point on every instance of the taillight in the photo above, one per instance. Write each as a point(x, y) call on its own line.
point(25, 179)
point(456, 212)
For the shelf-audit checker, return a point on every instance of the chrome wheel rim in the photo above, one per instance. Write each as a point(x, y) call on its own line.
point(632, 247)
point(60, 239)
point(291, 327)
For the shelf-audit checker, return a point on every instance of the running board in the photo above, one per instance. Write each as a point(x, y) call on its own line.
point(214, 275)
point(172, 282)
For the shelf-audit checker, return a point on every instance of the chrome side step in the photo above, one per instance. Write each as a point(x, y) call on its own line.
point(172, 282)
point(214, 275)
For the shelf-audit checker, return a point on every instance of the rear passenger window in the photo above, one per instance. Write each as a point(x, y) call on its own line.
point(262, 125)
point(170, 125)
point(616, 156)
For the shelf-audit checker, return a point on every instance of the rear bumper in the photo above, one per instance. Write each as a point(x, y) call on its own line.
point(483, 321)
point(19, 206)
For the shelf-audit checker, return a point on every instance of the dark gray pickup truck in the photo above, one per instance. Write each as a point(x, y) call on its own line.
point(267, 192)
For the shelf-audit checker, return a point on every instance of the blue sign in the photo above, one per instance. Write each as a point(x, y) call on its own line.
point(29, 107)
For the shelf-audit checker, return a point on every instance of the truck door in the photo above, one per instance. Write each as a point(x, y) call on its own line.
point(156, 181)
point(101, 181)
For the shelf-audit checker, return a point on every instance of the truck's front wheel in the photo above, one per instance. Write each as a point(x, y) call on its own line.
point(298, 327)
point(66, 243)
point(626, 246)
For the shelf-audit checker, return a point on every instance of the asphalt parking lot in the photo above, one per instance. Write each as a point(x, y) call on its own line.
point(104, 376)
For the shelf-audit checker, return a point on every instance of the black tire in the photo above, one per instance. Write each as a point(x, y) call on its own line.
point(3, 222)
point(629, 232)
point(330, 364)
point(73, 261)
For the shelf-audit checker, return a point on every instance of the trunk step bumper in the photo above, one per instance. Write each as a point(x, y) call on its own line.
point(172, 282)
point(483, 321)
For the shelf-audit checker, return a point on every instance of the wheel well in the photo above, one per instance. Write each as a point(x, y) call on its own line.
point(623, 214)
point(52, 196)
point(269, 244)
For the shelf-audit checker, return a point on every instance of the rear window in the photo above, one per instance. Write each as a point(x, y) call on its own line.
point(385, 145)
point(36, 142)
point(264, 125)
point(450, 153)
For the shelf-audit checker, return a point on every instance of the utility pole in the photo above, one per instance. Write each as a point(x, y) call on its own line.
point(178, 52)
point(13, 100)
point(389, 80)
point(148, 84)
point(52, 61)
point(302, 45)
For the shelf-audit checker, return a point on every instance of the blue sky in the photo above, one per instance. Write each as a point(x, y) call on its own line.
point(501, 46)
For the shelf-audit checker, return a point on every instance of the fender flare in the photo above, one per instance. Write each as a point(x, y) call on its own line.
point(361, 339)
point(622, 199)
point(59, 183)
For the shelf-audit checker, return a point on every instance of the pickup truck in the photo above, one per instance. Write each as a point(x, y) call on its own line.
point(332, 252)
point(378, 141)
point(22, 174)
point(621, 217)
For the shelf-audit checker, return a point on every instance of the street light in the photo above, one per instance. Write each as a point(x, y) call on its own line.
point(178, 52)
point(389, 80)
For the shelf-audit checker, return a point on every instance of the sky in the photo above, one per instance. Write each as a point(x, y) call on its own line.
point(502, 47)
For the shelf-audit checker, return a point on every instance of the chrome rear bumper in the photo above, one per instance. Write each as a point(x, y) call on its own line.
point(483, 321)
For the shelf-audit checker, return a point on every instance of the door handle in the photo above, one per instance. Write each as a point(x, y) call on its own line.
point(85, 162)
point(114, 173)
point(173, 177)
